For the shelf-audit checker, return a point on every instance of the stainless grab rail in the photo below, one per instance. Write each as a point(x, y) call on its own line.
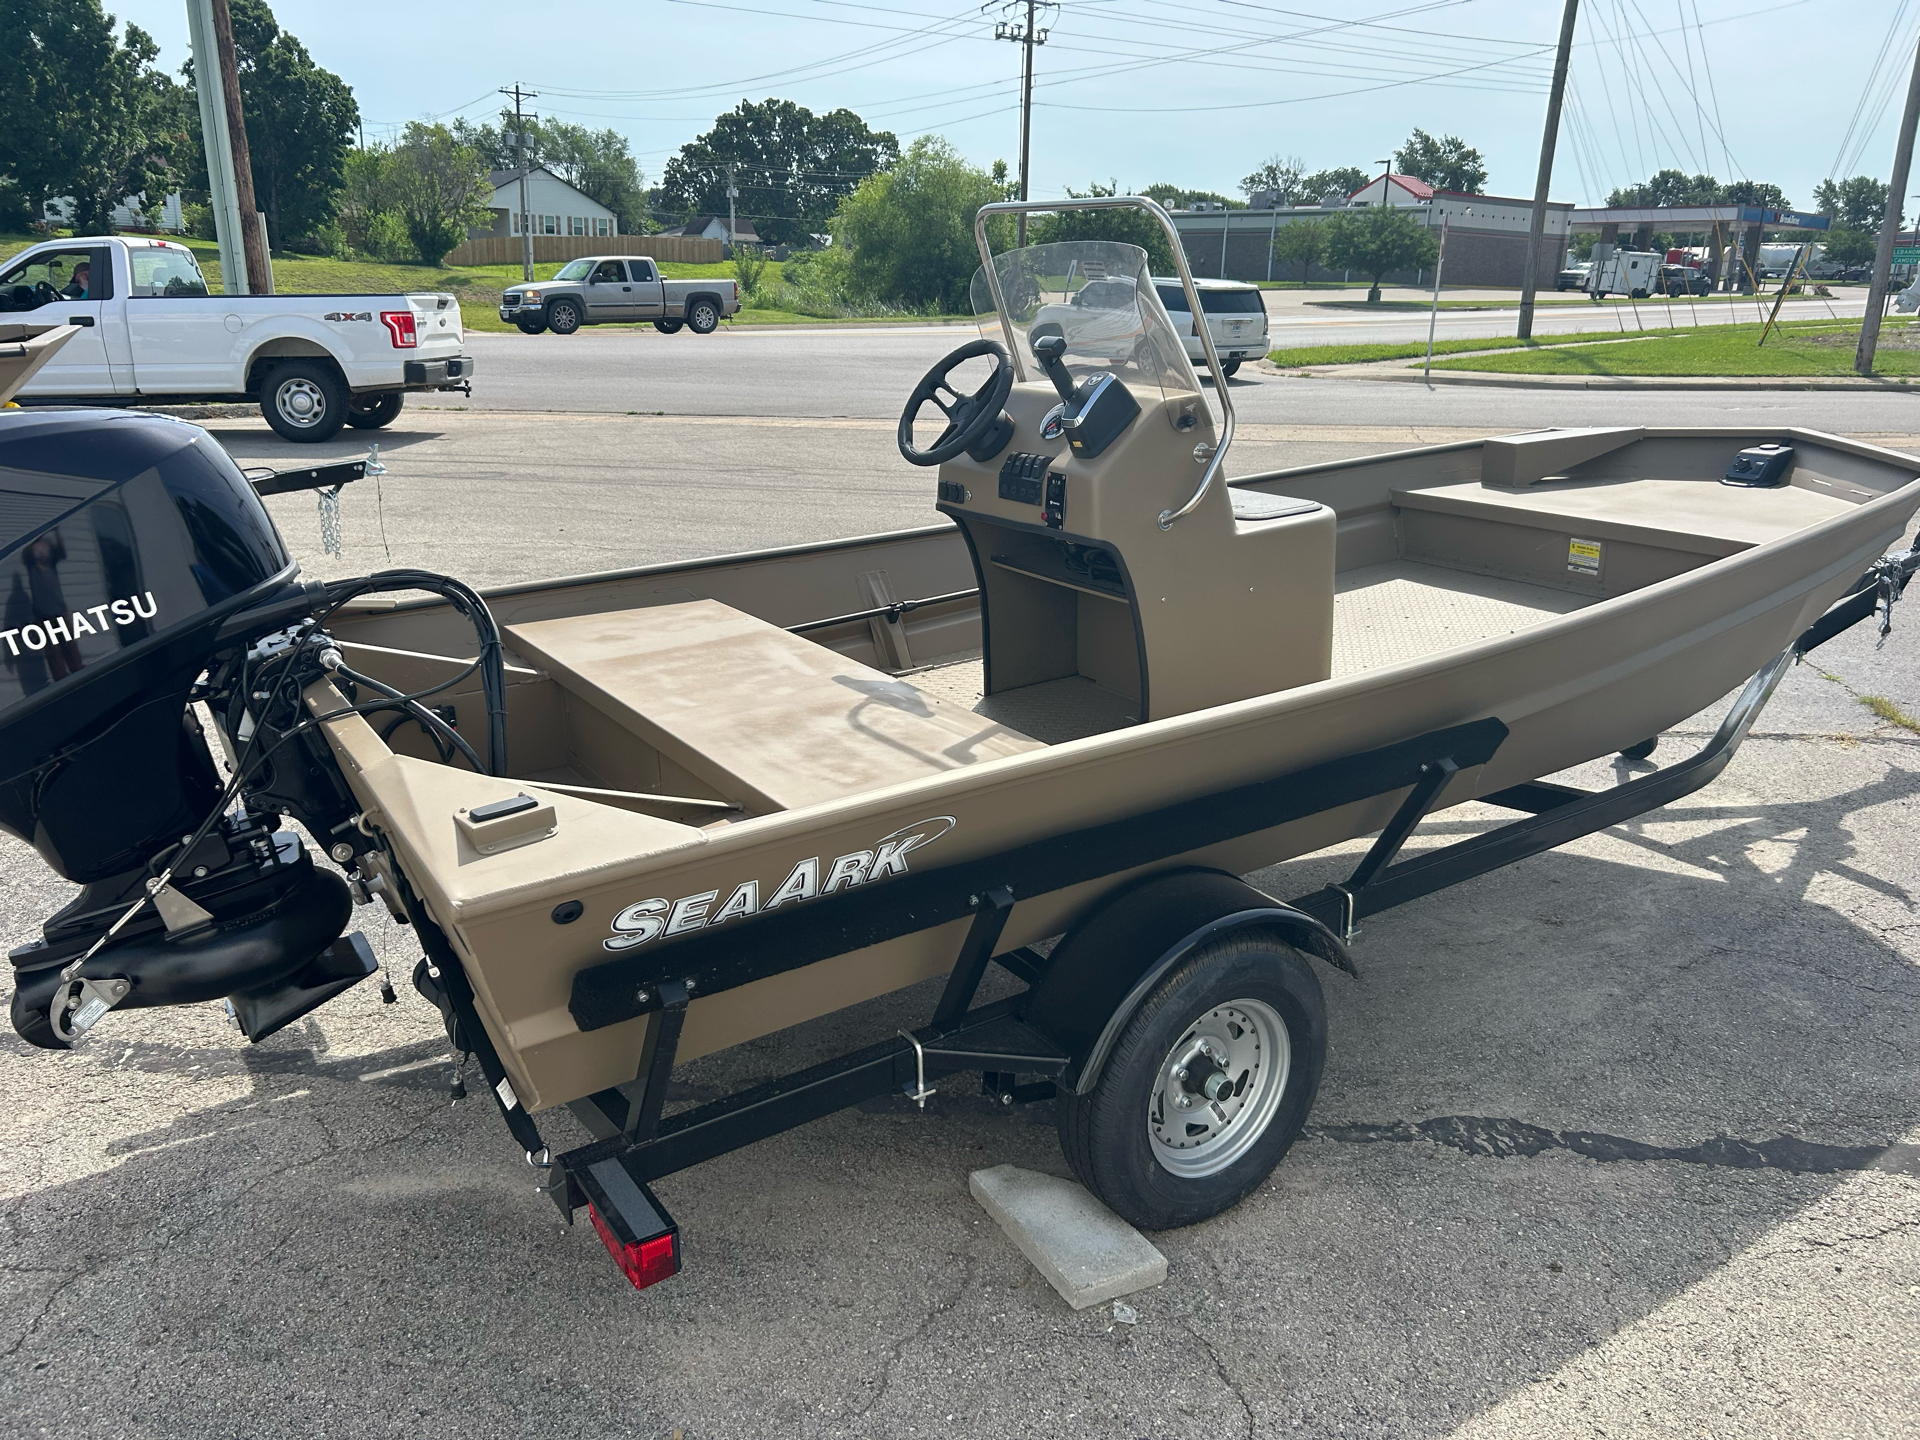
point(1119, 202)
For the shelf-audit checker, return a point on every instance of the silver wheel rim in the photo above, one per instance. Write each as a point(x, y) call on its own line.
point(563, 319)
point(1219, 1088)
point(301, 403)
point(704, 318)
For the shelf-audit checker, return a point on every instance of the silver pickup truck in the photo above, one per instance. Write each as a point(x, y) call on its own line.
point(617, 289)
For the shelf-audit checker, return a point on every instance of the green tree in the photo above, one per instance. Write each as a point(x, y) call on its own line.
point(1859, 203)
point(597, 163)
point(1282, 173)
point(1302, 243)
point(1754, 192)
point(791, 167)
point(1448, 163)
point(1670, 187)
point(1342, 181)
point(1845, 245)
point(908, 231)
point(1130, 227)
point(438, 187)
point(1377, 241)
point(85, 116)
point(300, 126)
point(1174, 197)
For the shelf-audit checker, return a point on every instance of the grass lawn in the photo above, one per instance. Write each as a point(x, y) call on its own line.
point(1417, 349)
point(477, 287)
point(1804, 347)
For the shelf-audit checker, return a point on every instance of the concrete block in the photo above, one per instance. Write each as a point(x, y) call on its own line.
point(1088, 1253)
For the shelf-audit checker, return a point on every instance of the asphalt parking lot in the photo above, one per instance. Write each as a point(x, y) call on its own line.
point(1621, 1141)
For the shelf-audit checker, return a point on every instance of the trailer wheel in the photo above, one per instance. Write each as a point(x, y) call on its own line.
point(1207, 1087)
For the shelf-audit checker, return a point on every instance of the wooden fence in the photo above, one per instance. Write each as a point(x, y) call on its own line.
point(505, 249)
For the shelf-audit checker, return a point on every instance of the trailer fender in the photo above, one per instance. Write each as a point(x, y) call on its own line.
point(1113, 957)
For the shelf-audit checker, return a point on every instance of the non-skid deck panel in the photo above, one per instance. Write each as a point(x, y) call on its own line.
point(1054, 711)
point(1401, 610)
point(767, 717)
point(1702, 517)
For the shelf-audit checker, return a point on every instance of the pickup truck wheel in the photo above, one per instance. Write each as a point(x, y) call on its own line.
point(668, 327)
point(370, 412)
point(703, 317)
point(304, 400)
point(530, 327)
point(1207, 1087)
point(563, 317)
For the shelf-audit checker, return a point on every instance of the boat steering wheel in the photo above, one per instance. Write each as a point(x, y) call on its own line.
point(970, 418)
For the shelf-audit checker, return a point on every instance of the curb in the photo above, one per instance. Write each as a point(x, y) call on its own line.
point(1492, 380)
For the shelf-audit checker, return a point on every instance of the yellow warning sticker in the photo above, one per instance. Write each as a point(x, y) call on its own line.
point(1583, 557)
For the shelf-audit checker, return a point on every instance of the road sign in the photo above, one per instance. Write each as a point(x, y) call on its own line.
point(1906, 254)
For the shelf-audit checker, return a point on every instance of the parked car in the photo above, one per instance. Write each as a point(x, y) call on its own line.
point(149, 330)
point(618, 289)
point(1685, 280)
point(1574, 277)
point(1102, 320)
point(1236, 315)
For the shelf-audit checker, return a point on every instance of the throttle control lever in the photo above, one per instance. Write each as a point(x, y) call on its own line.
point(1050, 351)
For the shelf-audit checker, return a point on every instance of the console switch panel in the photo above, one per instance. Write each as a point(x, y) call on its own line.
point(1021, 477)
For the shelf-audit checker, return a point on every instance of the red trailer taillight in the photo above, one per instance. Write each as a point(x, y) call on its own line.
point(399, 324)
point(646, 1262)
point(630, 1220)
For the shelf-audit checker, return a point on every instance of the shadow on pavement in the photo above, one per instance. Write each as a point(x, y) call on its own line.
point(335, 1251)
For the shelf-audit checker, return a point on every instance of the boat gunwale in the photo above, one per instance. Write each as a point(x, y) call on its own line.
point(1216, 724)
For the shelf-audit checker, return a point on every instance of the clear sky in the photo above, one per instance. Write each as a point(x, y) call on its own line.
point(1195, 93)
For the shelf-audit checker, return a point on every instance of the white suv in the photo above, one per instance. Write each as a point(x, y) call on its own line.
point(1236, 314)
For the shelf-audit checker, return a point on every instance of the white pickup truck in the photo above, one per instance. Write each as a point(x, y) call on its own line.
point(150, 333)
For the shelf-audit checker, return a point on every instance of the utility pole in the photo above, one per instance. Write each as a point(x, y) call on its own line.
point(520, 163)
point(733, 194)
point(1890, 227)
point(1536, 227)
point(1027, 36)
point(208, 92)
point(253, 228)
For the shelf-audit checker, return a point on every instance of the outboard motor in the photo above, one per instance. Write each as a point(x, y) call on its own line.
point(136, 559)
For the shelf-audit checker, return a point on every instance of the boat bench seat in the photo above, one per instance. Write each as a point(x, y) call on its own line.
point(1609, 536)
point(769, 719)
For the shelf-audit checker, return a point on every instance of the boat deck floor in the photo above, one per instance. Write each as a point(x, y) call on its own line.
point(1382, 614)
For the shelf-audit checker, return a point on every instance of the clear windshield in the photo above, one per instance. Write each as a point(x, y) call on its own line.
point(1098, 295)
point(573, 270)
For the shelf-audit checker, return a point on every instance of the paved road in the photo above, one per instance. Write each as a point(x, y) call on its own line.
point(780, 370)
point(1544, 1193)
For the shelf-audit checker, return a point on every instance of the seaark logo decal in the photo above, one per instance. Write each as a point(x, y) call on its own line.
point(650, 919)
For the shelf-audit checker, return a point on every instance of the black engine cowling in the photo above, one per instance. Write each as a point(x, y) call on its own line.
point(134, 557)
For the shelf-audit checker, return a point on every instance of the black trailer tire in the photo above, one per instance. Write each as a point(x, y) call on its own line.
point(530, 327)
point(372, 412)
point(1640, 749)
point(703, 316)
point(668, 327)
point(304, 400)
point(563, 317)
point(1251, 997)
point(1229, 368)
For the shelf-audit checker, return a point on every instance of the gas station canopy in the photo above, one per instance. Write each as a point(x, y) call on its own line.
point(1695, 217)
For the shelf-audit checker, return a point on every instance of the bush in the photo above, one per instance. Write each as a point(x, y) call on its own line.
point(907, 232)
point(749, 273)
point(197, 220)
